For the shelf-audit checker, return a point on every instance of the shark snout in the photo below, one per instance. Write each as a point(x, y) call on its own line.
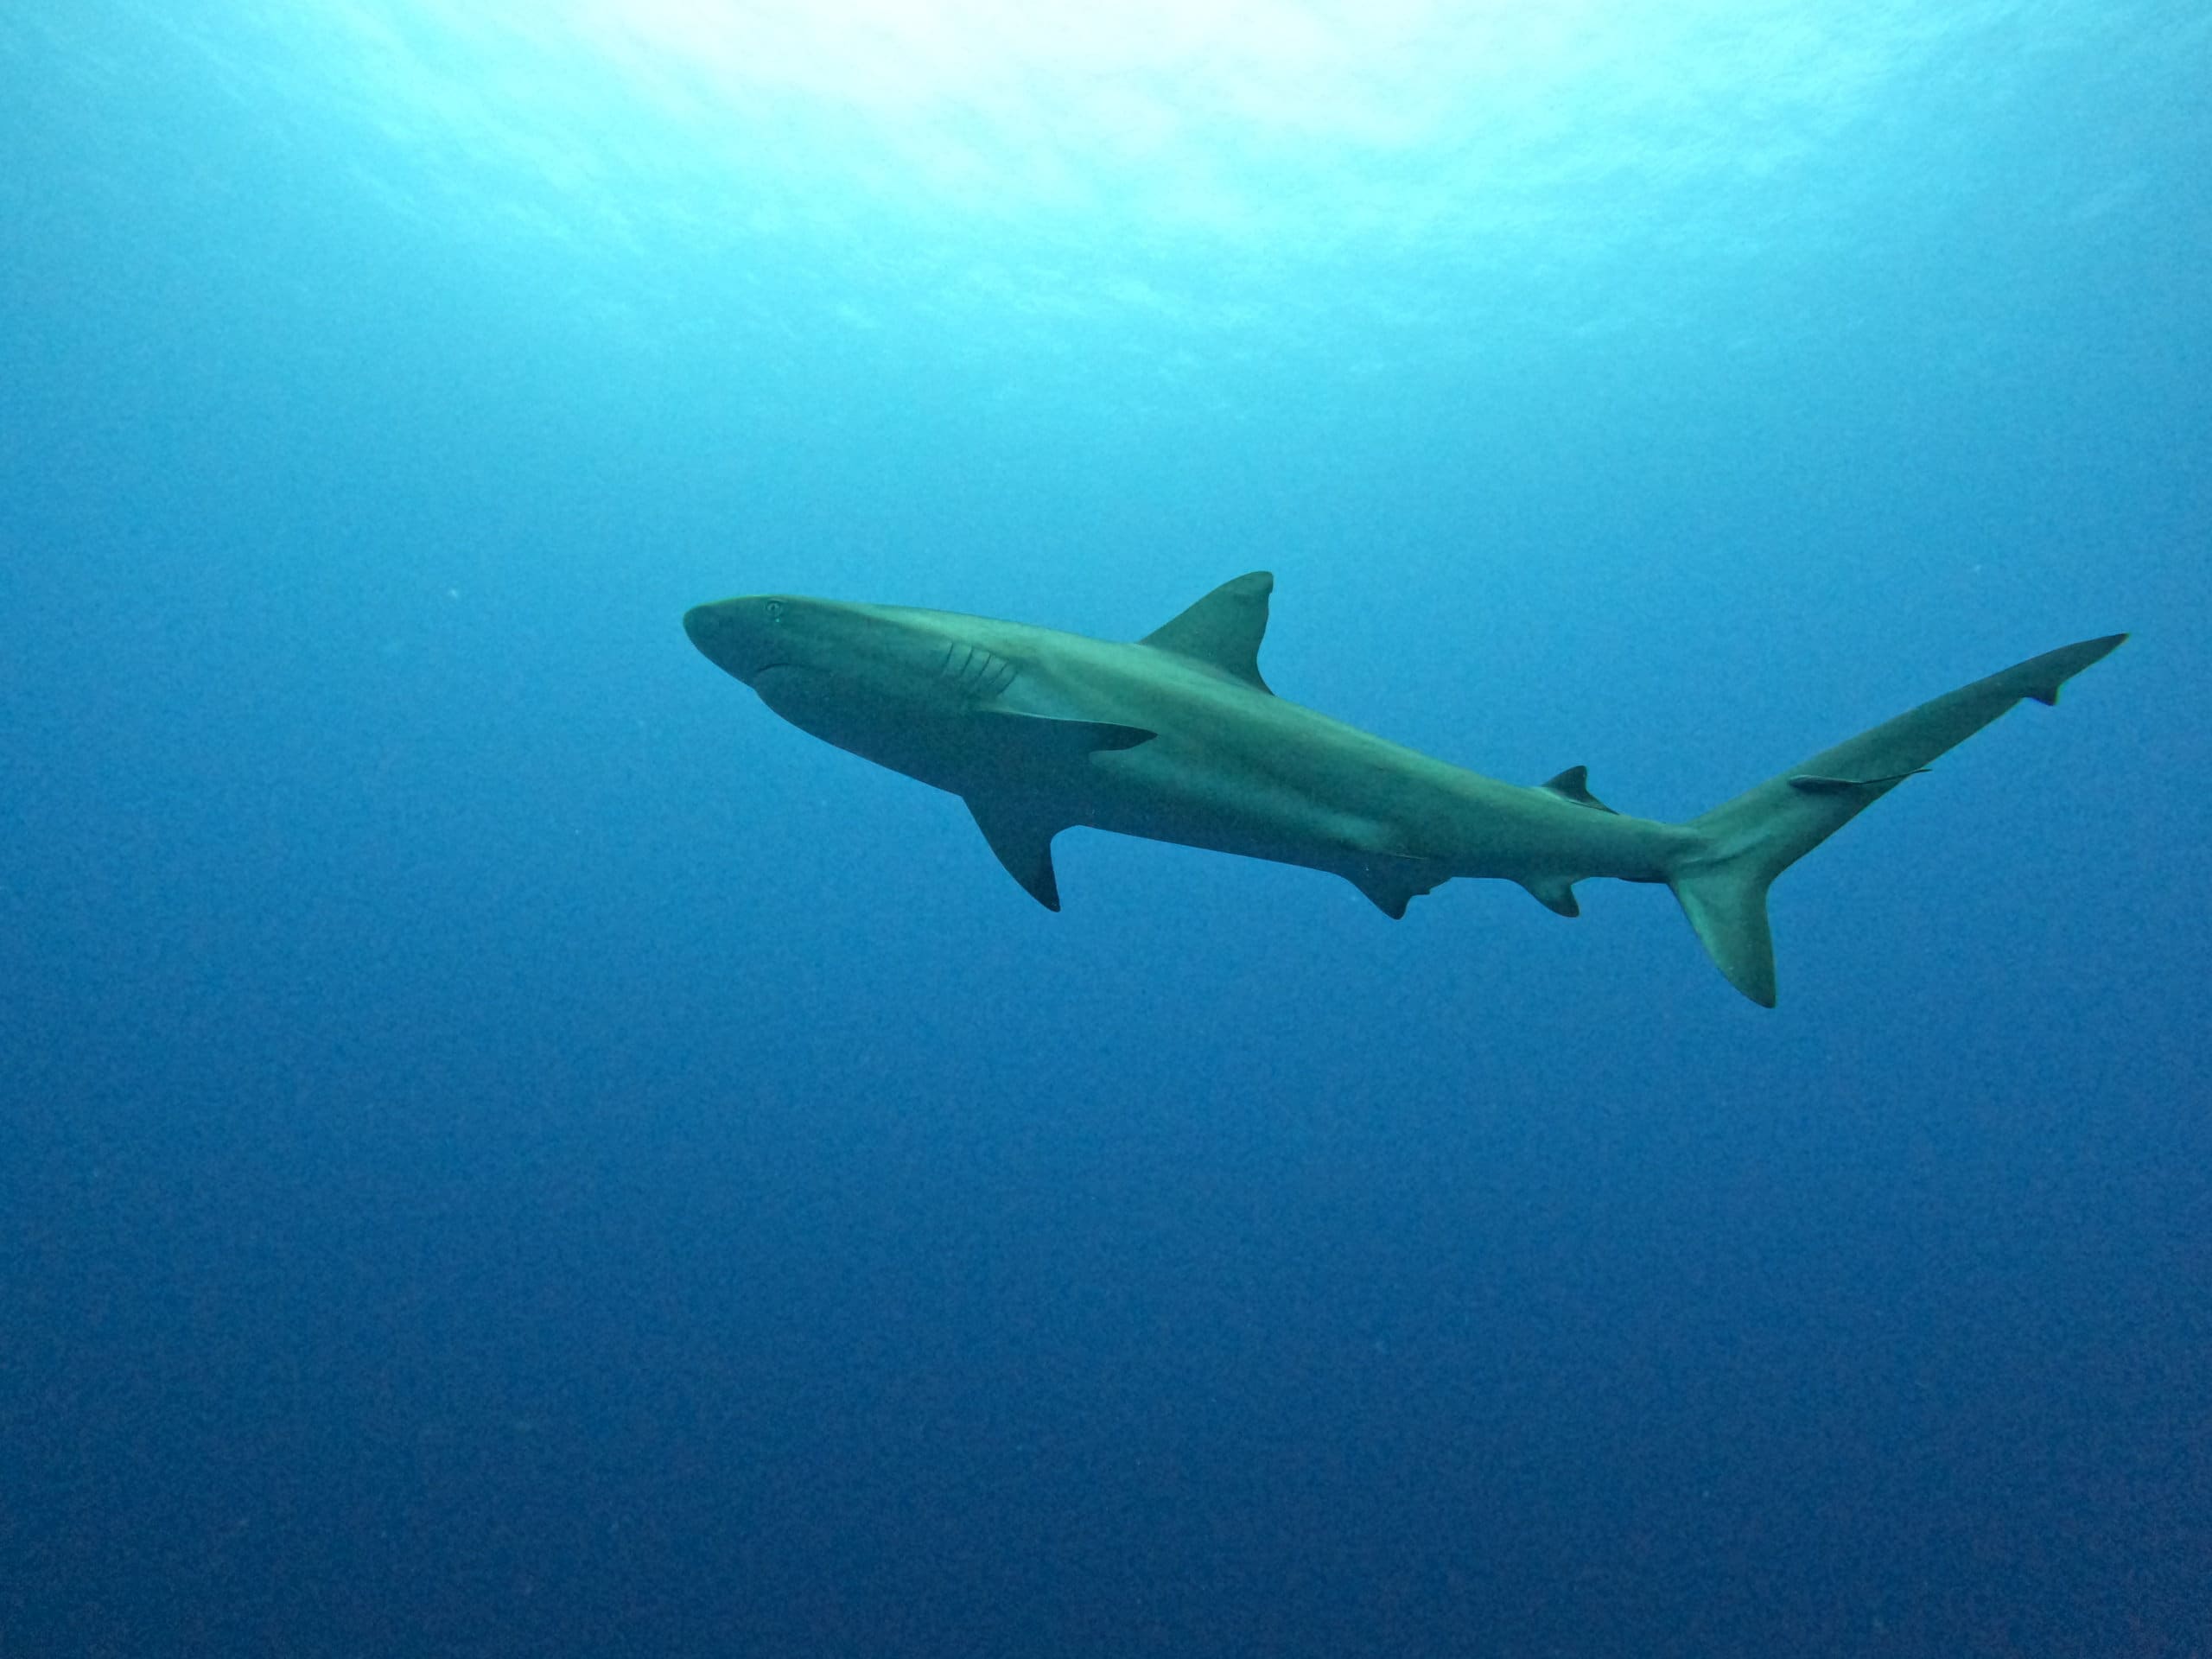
point(726, 636)
point(699, 622)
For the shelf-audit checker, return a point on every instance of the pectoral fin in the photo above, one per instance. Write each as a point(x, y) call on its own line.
point(1022, 838)
point(1018, 828)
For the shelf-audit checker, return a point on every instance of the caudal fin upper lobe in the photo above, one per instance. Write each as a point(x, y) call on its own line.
point(1746, 842)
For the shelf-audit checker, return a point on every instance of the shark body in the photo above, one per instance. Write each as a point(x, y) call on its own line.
point(1176, 737)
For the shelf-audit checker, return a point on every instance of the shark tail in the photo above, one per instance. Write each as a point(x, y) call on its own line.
point(1721, 882)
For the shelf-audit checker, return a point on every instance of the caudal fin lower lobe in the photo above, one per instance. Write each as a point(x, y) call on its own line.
point(1748, 841)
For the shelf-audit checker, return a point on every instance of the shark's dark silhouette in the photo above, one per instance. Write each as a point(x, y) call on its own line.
point(1176, 737)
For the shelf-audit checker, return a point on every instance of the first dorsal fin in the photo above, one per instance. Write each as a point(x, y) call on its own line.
point(1223, 630)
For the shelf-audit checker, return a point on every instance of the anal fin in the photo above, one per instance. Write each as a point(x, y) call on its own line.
point(1555, 894)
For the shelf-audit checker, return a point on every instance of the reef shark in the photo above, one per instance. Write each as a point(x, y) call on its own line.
point(1176, 737)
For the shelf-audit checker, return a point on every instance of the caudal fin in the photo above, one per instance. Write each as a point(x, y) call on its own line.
point(1722, 884)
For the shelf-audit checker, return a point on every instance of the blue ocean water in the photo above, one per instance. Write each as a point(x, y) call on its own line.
point(509, 1149)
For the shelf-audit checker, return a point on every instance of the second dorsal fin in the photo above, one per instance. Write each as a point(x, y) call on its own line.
point(1223, 630)
point(1573, 785)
